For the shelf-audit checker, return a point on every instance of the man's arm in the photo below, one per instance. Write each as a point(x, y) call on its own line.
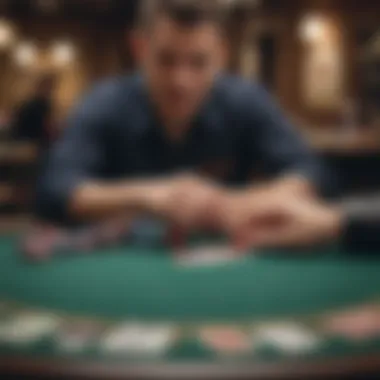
point(69, 188)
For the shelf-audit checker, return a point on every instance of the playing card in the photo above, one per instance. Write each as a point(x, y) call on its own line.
point(291, 338)
point(207, 255)
point(28, 327)
point(138, 339)
point(358, 324)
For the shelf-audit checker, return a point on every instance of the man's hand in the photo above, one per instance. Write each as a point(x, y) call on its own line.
point(186, 201)
point(277, 222)
point(283, 213)
point(239, 208)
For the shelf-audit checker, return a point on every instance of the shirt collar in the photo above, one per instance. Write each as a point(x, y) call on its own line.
point(153, 128)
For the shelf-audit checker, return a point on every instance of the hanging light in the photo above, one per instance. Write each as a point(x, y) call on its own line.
point(6, 34)
point(312, 28)
point(25, 54)
point(63, 53)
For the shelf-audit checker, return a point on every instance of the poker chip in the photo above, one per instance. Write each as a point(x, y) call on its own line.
point(147, 231)
point(84, 240)
point(288, 338)
point(225, 339)
point(360, 324)
point(27, 328)
point(111, 232)
point(39, 244)
point(63, 244)
point(137, 339)
point(77, 336)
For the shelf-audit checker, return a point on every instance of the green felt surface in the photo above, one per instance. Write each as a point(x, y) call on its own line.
point(149, 285)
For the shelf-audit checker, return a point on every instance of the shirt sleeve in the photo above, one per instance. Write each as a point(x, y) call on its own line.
point(75, 158)
point(362, 232)
point(277, 146)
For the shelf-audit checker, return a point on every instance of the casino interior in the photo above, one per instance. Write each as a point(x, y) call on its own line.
point(127, 312)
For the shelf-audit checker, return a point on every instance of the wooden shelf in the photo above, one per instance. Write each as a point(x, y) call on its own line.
point(355, 142)
point(7, 193)
point(17, 153)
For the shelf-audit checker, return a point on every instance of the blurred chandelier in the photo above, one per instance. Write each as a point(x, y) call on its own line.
point(7, 34)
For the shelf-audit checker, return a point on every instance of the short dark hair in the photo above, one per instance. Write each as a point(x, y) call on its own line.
point(184, 12)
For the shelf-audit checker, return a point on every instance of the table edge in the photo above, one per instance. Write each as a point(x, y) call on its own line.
point(95, 370)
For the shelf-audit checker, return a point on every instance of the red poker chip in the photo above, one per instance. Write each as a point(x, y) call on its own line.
point(176, 237)
point(226, 340)
point(40, 243)
point(358, 324)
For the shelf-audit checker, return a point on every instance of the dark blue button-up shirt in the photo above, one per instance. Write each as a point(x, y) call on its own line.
point(113, 134)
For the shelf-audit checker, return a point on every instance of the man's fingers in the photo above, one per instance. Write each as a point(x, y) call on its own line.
point(196, 207)
point(284, 236)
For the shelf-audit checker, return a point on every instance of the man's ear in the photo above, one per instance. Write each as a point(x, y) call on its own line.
point(137, 41)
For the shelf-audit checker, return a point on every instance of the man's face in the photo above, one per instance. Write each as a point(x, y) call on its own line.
point(180, 63)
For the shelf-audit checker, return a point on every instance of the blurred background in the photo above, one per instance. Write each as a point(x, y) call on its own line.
point(319, 58)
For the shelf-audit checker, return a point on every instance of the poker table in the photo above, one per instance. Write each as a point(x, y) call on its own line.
point(150, 285)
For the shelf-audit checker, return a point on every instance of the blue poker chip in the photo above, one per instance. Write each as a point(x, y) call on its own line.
point(111, 233)
point(147, 232)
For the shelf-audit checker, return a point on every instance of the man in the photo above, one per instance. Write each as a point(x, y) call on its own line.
point(129, 143)
point(31, 120)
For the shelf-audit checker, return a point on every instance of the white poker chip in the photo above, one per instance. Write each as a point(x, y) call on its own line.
point(207, 255)
point(27, 328)
point(138, 339)
point(288, 338)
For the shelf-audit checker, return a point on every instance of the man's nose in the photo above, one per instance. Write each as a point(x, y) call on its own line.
point(182, 77)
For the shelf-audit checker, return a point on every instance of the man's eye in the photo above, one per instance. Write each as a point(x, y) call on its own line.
point(167, 59)
point(199, 62)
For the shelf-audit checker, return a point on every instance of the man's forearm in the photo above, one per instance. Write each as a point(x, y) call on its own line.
point(293, 185)
point(97, 200)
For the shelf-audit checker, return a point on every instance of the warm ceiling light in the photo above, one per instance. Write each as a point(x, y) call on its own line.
point(63, 53)
point(312, 28)
point(26, 54)
point(6, 34)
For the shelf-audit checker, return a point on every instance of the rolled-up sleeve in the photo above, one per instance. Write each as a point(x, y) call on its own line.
point(277, 145)
point(75, 158)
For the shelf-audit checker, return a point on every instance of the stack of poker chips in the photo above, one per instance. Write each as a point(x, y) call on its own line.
point(43, 241)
